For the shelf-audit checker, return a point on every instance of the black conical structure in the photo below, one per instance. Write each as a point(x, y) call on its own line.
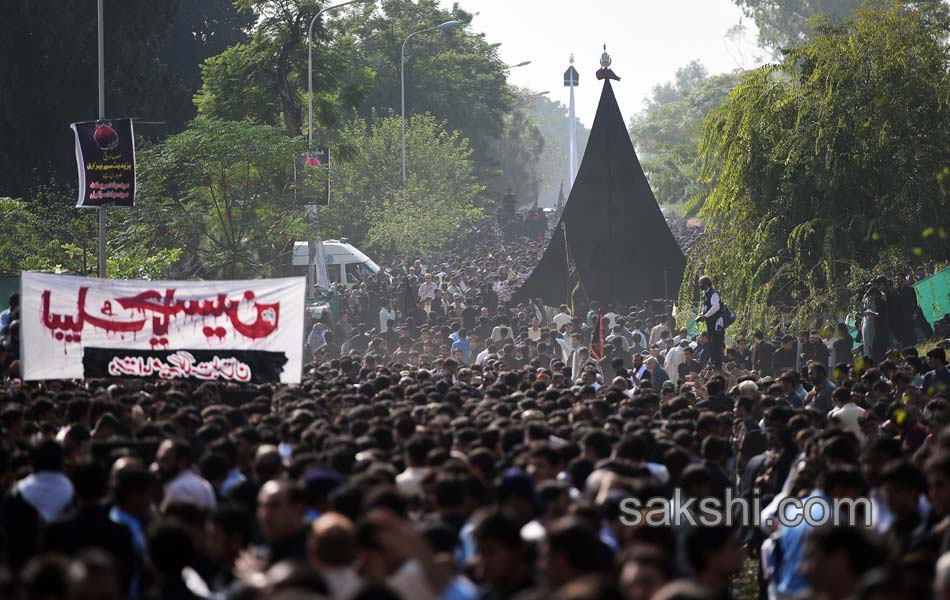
point(611, 236)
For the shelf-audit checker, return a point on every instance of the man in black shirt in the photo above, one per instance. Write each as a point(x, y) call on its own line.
point(784, 358)
point(762, 355)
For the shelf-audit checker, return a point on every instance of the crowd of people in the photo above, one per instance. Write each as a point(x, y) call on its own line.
point(448, 444)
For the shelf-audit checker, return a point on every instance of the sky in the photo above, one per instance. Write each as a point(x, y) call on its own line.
point(648, 41)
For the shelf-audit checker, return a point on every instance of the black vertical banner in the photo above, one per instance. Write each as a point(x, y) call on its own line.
point(311, 165)
point(105, 155)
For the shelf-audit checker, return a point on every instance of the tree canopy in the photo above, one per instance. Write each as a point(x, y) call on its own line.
point(369, 204)
point(667, 132)
point(824, 167)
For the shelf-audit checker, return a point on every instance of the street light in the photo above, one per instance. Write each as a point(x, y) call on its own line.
point(495, 45)
point(402, 82)
point(521, 64)
point(310, 64)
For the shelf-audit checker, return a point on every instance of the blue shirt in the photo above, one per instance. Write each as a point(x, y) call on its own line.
point(789, 581)
point(117, 515)
point(466, 349)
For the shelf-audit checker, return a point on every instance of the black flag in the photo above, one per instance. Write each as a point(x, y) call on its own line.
point(105, 155)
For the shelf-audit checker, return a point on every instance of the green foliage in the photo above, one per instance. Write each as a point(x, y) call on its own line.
point(222, 191)
point(551, 119)
point(783, 23)
point(369, 204)
point(667, 133)
point(47, 233)
point(265, 78)
point(518, 151)
point(48, 79)
point(825, 167)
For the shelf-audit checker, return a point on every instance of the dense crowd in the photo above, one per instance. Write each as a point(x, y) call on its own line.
point(449, 444)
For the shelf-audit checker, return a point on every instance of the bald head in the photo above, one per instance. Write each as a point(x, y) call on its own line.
point(332, 542)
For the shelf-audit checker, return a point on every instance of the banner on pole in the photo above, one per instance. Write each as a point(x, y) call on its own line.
point(308, 167)
point(105, 155)
point(229, 331)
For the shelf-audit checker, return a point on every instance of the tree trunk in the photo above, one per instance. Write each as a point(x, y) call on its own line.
point(292, 118)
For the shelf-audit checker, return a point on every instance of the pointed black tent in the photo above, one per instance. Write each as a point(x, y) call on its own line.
point(611, 243)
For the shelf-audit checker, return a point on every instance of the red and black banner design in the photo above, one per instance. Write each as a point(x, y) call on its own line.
point(105, 155)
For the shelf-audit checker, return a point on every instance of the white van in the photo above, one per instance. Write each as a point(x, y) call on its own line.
point(346, 265)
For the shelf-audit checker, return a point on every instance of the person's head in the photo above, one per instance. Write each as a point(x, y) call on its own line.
point(132, 489)
point(817, 373)
point(835, 558)
point(279, 510)
point(573, 549)
point(173, 457)
point(227, 533)
point(47, 455)
point(705, 283)
point(171, 547)
point(652, 363)
point(544, 463)
point(788, 342)
point(715, 555)
point(903, 484)
point(332, 542)
point(500, 550)
point(937, 359)
point(645, 570)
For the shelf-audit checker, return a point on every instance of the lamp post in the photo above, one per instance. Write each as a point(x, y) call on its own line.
point(102, 115)
point(314, 248)
point(402, 82)
point(310, 64)
point(521, 64)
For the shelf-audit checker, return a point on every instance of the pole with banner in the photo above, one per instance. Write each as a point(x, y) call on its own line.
point(570, 81)
point(309, 167)
point(105, 156)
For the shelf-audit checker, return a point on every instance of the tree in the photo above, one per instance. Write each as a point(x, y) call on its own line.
point(455, 76)
point(551, 119)
point(203, 28)
point(50, 79)
point(517, 152)
point(667, 132)
point(783, 23)
point(47, 233)
point(370, 205)
point(224, 192)
point(824, 167)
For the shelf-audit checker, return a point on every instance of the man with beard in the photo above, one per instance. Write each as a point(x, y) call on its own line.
point(182, 483)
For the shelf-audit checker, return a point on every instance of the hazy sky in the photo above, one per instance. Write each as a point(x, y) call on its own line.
point(647, 39)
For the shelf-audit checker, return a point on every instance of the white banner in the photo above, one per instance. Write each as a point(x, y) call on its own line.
point(75, 327)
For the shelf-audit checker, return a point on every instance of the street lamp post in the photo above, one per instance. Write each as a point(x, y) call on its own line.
point(102, 115)
point(402, 83)
point(521, 64)
point(312, 246)
point(310, 64)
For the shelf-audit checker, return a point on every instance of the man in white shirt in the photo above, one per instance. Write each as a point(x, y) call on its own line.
point(674, 358)
point(568, 345)
point(182, 483)
point(47, 489)
point(427, 289)
point(562, 318)
point(658, 329)
point(846, 412)
point(386, 314)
